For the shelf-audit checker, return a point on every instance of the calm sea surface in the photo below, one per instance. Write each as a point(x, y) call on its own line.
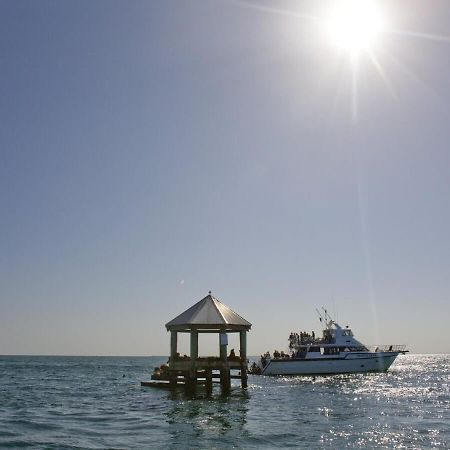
point(97, 403)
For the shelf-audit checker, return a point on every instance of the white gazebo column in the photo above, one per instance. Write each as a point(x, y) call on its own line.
point(223, 342)
point(194, 355)
point(225, 371)
point(243, 354)
point(173, 345)
point(243, 344)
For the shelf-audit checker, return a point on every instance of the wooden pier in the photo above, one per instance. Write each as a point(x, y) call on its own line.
point(209, 315)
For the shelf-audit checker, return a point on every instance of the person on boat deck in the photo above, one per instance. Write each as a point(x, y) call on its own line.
point(276, 354)
point(264, 359)
point(232, 354)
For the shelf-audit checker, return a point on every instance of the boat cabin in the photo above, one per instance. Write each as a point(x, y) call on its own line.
point(335, 340)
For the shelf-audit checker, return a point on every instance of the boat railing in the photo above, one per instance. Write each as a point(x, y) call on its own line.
point(388, 348)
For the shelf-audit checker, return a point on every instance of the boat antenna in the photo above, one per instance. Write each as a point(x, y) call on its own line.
point(321, 318)
point(327, 316)
point(334, 311)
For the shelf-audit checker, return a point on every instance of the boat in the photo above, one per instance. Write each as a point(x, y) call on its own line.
point(336, 352)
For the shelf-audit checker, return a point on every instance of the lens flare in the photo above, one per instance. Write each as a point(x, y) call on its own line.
point(355, 25)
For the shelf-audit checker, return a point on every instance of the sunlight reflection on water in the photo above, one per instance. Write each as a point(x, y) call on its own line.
point(69, 403)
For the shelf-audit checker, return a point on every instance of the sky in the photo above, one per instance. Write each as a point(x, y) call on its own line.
point(151, 151)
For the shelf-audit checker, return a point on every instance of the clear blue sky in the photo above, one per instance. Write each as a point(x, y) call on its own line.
point(152, 151)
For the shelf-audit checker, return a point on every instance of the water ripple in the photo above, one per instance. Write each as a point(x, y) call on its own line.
point(97, 403)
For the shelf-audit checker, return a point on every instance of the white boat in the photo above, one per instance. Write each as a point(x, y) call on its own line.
point(336, 352)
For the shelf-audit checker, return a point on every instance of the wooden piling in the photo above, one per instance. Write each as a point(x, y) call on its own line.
point(208, 379)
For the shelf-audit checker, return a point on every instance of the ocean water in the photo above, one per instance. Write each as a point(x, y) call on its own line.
point(98, 403)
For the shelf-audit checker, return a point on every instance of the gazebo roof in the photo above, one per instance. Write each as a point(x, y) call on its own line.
point(209, 314)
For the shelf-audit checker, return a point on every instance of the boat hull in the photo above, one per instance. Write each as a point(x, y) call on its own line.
point(351, 363)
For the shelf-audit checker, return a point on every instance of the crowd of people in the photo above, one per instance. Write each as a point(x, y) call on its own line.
point(303, 337)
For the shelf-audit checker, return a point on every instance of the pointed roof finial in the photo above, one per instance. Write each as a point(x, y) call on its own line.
point(209, 292)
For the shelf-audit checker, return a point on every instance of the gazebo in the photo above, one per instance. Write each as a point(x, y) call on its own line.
point(209, 315)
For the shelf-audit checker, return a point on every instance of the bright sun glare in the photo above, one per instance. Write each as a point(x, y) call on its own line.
point(354, 25)
point(356, 28)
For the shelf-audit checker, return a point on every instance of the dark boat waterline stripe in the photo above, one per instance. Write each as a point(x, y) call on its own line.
point(329, 359)
point(318, 374)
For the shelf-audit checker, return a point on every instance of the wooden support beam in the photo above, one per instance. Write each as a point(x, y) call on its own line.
point(208, 379)
point(225, 380)
point(173, 379)
point(244, 377)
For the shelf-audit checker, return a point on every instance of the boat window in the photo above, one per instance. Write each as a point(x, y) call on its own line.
point(314, 349)
point(329, 350)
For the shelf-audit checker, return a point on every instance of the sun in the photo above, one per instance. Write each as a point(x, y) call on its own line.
point(355, 25)
point(362, 32)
